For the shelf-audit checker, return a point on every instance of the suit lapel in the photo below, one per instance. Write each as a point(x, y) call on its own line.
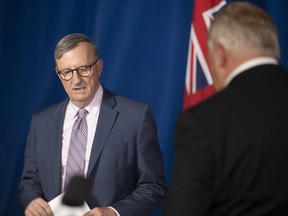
point(107, 117)
point(55, 134)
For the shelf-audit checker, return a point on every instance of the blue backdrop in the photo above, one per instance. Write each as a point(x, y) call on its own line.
point(144, 46)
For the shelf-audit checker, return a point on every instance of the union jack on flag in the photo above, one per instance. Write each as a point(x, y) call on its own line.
point(198, 81)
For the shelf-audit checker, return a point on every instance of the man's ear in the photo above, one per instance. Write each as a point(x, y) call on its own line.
point(220, 55)
point(219, 59)
point(99, 66)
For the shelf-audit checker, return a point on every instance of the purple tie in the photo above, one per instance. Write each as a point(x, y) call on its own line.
point(77, 148)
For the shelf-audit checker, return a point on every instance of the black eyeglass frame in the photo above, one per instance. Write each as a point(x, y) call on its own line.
point(70, 71)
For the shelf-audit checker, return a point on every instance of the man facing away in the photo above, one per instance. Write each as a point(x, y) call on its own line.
point(231, 151)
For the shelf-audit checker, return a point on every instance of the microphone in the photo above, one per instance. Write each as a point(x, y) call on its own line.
point(76, 192)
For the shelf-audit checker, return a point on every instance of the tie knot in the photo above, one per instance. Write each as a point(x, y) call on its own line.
point(82, 113)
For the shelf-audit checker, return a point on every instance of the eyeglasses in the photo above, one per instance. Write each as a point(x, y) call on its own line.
point(83, 71)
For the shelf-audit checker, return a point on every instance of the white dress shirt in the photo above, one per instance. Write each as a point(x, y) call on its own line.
point(92, 119)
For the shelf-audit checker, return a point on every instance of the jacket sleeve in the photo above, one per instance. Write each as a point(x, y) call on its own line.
point(29, 187)
point(191, 187)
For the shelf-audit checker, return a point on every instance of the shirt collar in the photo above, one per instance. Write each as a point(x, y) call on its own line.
point(249, 64)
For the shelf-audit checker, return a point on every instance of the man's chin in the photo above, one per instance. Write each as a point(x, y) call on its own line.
point(80, 101)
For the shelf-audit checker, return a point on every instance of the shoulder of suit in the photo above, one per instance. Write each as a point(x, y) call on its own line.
point(52, 108)
point(127, 100)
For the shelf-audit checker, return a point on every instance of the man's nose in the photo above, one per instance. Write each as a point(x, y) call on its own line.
point(75, 76)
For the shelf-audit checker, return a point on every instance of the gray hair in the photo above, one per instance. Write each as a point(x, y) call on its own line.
point(69, 42)
point(242, 27)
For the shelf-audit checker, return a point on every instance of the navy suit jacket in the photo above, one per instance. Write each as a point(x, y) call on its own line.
point(125, 167)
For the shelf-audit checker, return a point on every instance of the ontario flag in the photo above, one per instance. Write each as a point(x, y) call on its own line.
point(198, 81)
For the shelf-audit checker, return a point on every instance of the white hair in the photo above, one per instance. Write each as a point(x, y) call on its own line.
point(242, 27)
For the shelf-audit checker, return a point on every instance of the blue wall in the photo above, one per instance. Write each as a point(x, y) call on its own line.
point(143, 44)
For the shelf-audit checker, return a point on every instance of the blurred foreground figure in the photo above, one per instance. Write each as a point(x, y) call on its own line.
point(232, 149)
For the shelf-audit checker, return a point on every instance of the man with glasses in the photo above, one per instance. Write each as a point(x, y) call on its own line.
point(113, 143)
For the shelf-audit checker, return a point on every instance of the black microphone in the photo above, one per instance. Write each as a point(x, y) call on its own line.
point(76, 191)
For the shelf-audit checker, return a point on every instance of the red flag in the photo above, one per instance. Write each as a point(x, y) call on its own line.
point(198, 82)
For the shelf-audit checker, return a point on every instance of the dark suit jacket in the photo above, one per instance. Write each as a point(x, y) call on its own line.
point(232, 150)
point(125, 168)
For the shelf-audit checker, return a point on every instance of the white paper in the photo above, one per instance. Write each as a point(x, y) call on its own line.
point(59, 209)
